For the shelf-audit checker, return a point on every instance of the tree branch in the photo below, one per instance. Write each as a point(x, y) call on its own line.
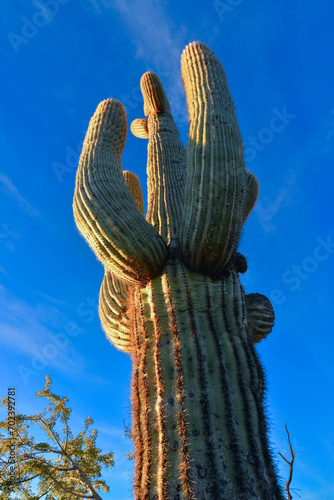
point(83, 476)
point(67, 433)
point(290, 465)
point(62, 487)
point(47, 491)
point(25, 480)
point(47, 462)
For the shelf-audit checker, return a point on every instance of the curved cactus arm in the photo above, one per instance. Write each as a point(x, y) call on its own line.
point(133, 183)
point(260, 316)
point(252, 193)
point(216, 174)
point(104, 209)
point(166, 160)
point(115, 297)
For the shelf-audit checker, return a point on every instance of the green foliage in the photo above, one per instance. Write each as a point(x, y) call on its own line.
point(59, 467)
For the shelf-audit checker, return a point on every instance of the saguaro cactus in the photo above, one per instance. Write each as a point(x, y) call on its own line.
point(171, 294)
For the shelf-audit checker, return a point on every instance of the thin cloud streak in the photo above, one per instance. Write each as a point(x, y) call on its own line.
point(8, 188)
point(267, 210)
point(26, 330)
point(43, 10)
point(318, 145)
point(157, 43)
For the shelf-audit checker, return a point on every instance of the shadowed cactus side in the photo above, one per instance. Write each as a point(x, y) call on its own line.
point(171, 294)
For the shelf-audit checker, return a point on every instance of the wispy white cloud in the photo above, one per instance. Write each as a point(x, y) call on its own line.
point(152, 32)
point(7, 237)
point(95, 4)
point(35, 333)
point(45, 12)
point(301, 165)
point(5, 232)
point(3, 270)
point(158, 41)
point(54, 300)
point(267, 208)
point(8, 188)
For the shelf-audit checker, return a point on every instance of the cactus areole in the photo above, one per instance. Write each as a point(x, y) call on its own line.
point(171, 294)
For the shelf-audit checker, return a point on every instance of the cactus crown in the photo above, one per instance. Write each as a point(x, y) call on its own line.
point(198, 197)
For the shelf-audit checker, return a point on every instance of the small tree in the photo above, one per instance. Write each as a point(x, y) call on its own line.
point(63, 466)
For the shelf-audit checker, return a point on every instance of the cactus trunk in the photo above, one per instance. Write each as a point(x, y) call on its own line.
point(197, 392)
point(171, 294)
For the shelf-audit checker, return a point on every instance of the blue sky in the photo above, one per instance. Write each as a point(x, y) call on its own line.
point(60, 58)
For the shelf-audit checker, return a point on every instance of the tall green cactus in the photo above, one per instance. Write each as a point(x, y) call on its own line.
point(171, 294)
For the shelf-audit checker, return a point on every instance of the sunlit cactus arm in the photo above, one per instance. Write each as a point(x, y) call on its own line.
point(139, 128)
point(116, 295)
point(166, 160)
point(115, 311)
point(216, 175)
point(104, 209)
point(133, 183)
point(260, 316)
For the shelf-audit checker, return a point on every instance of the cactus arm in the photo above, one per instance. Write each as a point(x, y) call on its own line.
point(133, 183)
point(116, 295)
point(252, 193)
point(115, 313)
point(139, 128)
point(216, 175)
point(166, 160)
point(104, 209)
point(239, 263)
point(260, 316)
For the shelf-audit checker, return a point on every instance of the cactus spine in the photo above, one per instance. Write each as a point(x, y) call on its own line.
point(171, 294)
